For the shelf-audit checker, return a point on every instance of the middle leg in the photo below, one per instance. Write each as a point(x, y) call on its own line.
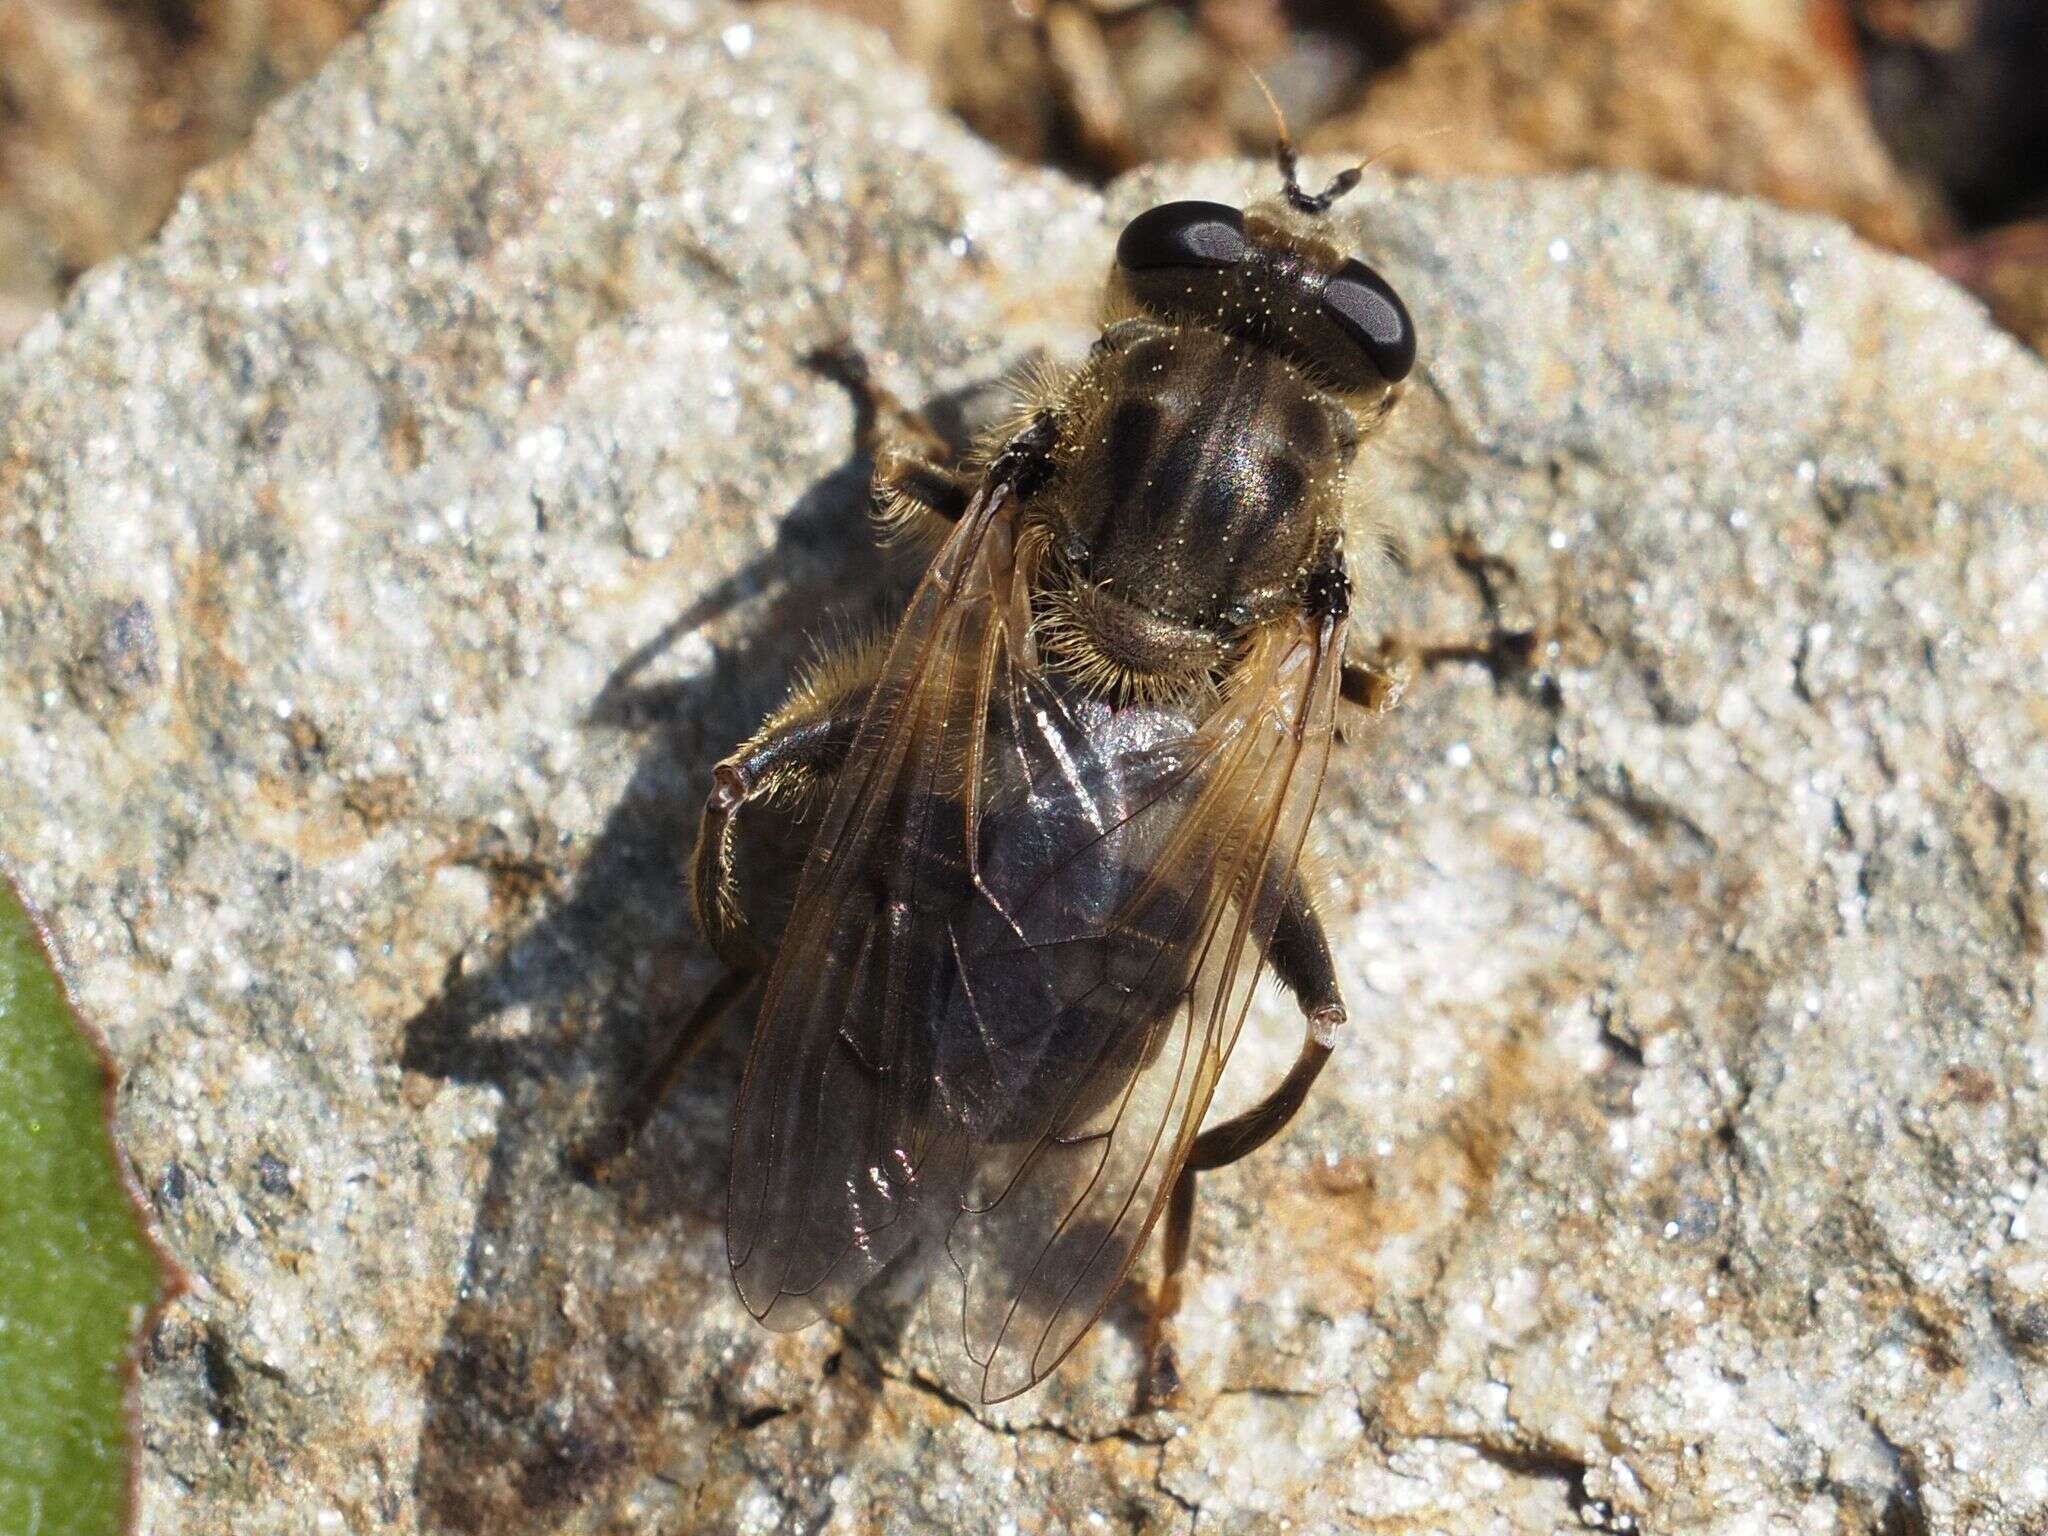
point(593, 1157)
point(744, 869)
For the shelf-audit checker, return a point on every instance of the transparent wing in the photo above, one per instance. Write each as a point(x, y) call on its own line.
point(843, 1156)
point(1020, 953)
point(1138, 949)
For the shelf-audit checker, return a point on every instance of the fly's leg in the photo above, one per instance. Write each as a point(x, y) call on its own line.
point(790, 762)
point(1377, 683)
point(593, 1158)
point(908, 488)
point(1505, 653)
point(1300, 952)
point(908, 485)
point(753, 837)
point(1506, 646)
point(1374, 685)
point(915, 470)
point(751, 842)
point(921, 483)
point(1218, 1147)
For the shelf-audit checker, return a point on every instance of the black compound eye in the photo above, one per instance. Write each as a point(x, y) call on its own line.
point(1365, 305)
point(1182, 235)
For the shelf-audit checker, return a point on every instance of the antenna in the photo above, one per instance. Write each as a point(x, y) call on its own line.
point(1290, 180)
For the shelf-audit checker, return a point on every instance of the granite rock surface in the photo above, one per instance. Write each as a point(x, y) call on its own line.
point(1746, 96)
point(396, 543)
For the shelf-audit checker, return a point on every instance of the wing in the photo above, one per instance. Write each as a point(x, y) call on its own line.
point(1139, 949)
point(842, 1158)
point(1019, 955)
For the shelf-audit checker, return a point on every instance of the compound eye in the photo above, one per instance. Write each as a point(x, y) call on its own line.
point(1367, 309)
point(1187, 234)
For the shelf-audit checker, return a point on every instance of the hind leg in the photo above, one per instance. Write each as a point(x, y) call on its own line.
point(1300, 952)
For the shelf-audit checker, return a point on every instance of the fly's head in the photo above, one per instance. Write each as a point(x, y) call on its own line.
point(1197, 492)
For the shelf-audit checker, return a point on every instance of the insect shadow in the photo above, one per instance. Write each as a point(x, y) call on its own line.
point(551, 1390)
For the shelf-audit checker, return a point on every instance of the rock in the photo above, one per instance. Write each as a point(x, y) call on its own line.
point(1742, 95)
point(1954, 88)
point(1098, 86)
point(2008, 269)
point(109, 105)
point(401, 537)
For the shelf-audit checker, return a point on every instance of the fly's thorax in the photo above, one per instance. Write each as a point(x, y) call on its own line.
point(1199, 477)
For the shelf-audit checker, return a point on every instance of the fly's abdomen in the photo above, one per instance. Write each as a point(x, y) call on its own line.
point(1059, 959)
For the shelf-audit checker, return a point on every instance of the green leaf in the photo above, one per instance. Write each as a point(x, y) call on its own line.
point(77, 1272)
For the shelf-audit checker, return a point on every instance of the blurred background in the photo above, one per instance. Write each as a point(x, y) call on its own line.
point(1922, 123)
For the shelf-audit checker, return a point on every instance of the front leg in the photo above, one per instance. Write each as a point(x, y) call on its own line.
point(910, 487)
point(918, 482)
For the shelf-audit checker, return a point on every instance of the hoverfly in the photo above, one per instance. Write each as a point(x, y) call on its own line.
point(1006, 882)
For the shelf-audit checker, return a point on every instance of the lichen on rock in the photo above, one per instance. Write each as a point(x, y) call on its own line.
point(403, 535)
